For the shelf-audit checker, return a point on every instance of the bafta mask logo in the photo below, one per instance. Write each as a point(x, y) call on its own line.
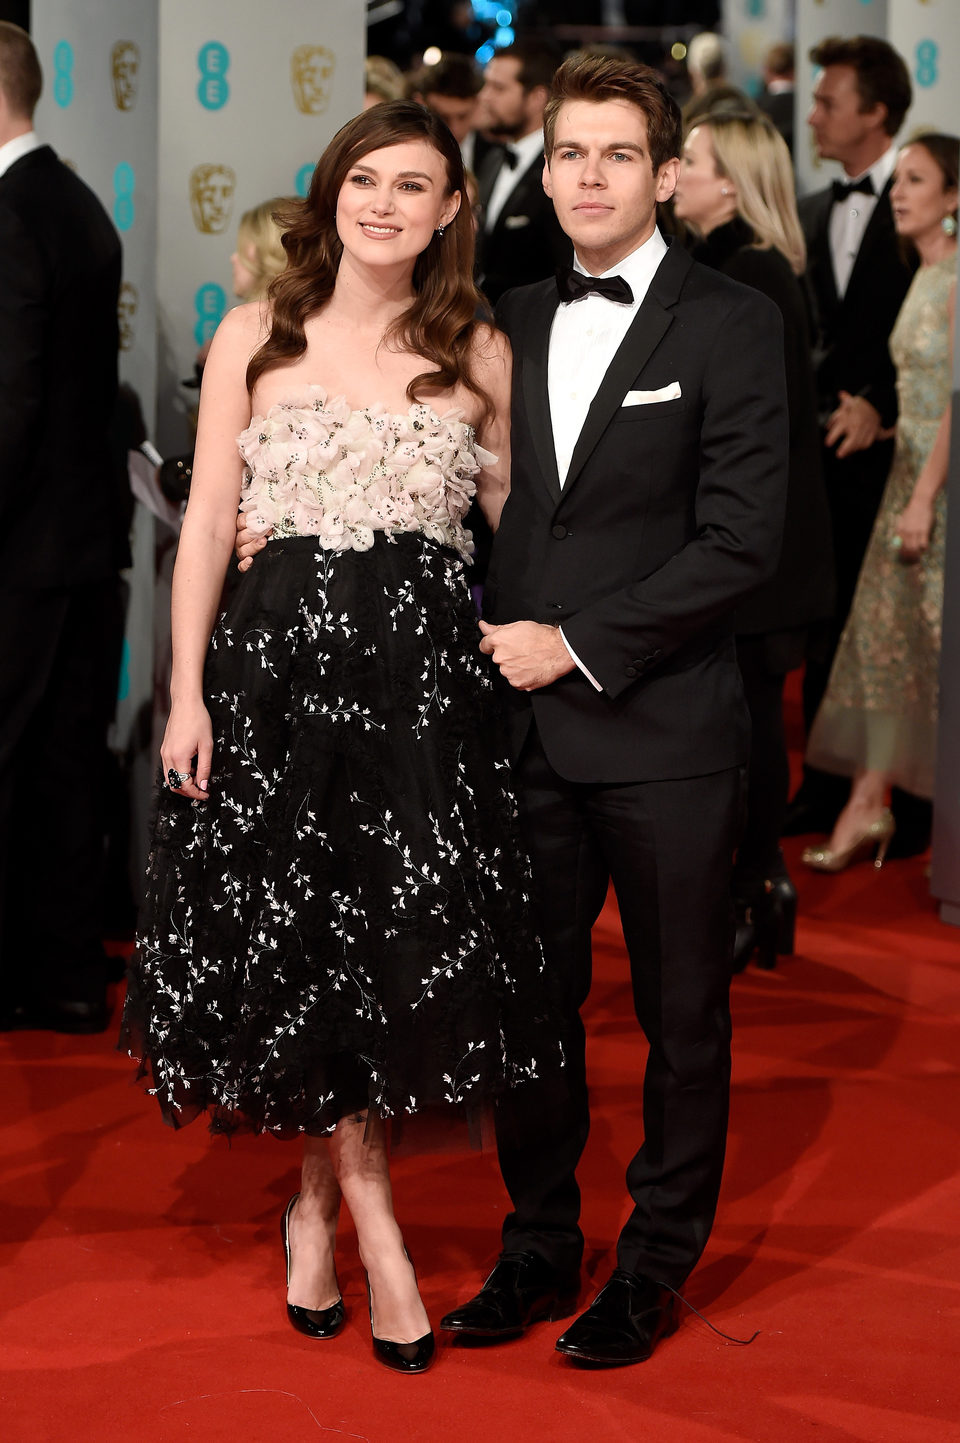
point(211, 197)
point(311, 70)
point(125, 68)
point(127, 303)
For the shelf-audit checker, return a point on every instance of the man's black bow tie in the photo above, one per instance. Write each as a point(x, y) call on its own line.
point(844, 188)
point(574, 285)
point(510, 158)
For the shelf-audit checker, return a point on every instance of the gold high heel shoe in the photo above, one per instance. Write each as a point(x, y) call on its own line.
point(876, 839)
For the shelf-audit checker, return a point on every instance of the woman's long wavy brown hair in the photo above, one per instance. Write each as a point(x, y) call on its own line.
point(441, 322)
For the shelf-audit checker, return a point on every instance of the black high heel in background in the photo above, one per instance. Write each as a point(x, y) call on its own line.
point(413, 1357)
point(312, 1322)
point(766, 924)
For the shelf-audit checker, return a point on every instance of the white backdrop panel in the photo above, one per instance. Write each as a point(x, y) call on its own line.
point(249, 97)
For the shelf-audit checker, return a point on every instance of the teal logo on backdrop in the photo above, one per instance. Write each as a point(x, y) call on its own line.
point(63, 74)
point(304, 177)
point(124, 184)
point(756, 9)
point(213, 92)
point(210, 302)
point(928, 55)
point(123, 681)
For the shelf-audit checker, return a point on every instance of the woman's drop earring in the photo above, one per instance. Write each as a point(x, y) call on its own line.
point(440, 231)
point(949, 225)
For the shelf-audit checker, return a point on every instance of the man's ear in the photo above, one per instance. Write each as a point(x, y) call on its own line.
point(667, 177)
point(546, 178)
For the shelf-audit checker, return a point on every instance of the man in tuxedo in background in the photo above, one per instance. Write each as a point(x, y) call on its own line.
point(520, 239)
point(64, 514)
point(649, 454)
point(859, 277)
point(451, 89)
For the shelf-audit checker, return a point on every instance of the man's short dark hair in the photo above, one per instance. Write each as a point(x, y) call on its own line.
point(597, 78)
point(455, 76)
point(21, 78)
point(882, 76)
point(538, 62)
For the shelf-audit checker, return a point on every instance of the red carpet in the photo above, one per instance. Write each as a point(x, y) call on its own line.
point(142, 1271)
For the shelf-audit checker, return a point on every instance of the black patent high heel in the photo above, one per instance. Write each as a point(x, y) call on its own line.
point(312, 1322)
point(413, 1357)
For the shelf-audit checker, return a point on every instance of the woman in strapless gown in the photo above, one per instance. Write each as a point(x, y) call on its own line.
point(337, 929)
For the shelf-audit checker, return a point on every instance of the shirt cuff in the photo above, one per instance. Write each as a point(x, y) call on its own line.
point(578, 663)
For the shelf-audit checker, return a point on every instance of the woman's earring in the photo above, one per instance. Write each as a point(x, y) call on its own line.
point(723, 190)
point(949, 225)
point(440, 231)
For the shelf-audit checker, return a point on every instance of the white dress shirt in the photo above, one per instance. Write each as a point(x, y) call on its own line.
point(585, 336)
point(19, 146)
point(849, 218)
point(526, 150)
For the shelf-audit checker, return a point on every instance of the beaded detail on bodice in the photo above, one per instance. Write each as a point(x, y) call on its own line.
point(317, 467)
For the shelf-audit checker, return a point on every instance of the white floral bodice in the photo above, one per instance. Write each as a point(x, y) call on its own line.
point(316, 467)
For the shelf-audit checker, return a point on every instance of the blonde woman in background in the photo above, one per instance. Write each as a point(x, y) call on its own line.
point(382, 80)
point(736, 194)
point(259, 255)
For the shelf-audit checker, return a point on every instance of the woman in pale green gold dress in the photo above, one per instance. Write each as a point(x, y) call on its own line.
point(878, 719)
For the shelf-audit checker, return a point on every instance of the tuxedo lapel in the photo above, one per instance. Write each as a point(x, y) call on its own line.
point(878, 234)
point(650, 325)
point(536, 397)
point(825, 282)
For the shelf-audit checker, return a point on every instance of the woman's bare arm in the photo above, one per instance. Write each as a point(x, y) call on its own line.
point(493, 370)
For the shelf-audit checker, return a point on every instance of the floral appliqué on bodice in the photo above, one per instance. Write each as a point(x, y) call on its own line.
point(317, 467)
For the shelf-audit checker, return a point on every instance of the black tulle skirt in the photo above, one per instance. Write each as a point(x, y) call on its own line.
point(345, 923)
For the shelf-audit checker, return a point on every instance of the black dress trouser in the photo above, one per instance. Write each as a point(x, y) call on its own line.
point(667, 846)
point(59, 661)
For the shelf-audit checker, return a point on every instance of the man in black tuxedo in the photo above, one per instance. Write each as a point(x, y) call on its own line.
point(858, 276)
point(520, 239)
point(649, 453)
point(62, 542)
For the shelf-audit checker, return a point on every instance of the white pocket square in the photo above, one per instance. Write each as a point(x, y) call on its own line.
point(514, 222)
point(644, 398)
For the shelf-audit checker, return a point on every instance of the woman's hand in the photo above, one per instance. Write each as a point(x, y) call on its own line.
point(914, 527)
point(189, 735)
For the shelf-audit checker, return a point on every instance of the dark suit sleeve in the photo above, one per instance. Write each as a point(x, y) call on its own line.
point(738, 511)
point(21, 350)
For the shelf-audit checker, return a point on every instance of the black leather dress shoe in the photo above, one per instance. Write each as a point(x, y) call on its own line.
point(522, 1289)
point(623, 1324)
point(56, 1015)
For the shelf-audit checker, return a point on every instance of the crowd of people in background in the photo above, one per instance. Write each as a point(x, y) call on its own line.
point(860, 576)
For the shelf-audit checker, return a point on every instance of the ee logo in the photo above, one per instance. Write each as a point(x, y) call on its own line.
point(210, 302)
point(63, 74)
point(213, 92)
point(756, 9)
point(124, 184)
point(928, 54)
point(304, 177)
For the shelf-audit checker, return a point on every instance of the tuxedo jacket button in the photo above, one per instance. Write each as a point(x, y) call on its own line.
point(631, 671)
point(559, 532)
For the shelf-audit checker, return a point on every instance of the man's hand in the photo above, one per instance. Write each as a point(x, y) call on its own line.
point(528, 654)
point(248, 542)
point(855, 424)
